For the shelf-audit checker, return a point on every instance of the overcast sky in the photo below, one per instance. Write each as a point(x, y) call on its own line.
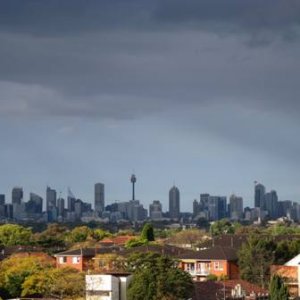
point(200, 93)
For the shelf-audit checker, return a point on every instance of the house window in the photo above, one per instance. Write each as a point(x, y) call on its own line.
point(76, 260)
point(62, 259)
point(218, 265)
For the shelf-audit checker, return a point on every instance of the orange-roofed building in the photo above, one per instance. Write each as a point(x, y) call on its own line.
point(120, 240)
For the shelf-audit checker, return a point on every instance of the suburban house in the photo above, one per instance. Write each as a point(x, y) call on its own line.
point(218, 261)
point(113, 261)
point(290, 272)
point(80, 259)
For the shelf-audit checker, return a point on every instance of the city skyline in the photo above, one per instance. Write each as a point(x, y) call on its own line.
point(205, 94)
point(185, 205)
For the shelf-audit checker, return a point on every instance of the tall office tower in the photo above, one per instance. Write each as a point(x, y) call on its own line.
point(133, 181)
point(213, 207)
point(259, 195)
point(271, 204)
point(2, 206)
point(236, 207)
point(35, 204)
point(16, 195)
point(71, 201)
point(2, 199)
point(9, 211)
point(78, 208)
point(174, 203)
point(50, 198)
point(222, 207)
point(217, 207)
point(99, 197)
point(204, 201)
point(155, 210)
point(61, 207)
point(196, 208)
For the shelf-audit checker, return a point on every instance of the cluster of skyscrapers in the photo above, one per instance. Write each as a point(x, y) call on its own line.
point(267, 205)
point(209, 207)
point(57, 208)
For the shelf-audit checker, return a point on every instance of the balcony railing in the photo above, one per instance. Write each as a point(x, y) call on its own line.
point(201, 272)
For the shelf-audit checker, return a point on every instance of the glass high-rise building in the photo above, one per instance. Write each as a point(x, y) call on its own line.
point(236, 207)
point(271, 203)
point(50, 198)
point(16, 195)
point(99, 197)
point(259, 195)
point(174, 203)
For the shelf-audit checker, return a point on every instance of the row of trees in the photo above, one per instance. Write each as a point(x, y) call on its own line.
point(54, 235)
point(37, 276)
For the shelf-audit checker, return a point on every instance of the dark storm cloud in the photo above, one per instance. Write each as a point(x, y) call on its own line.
point(76, 57)
point(57, 17)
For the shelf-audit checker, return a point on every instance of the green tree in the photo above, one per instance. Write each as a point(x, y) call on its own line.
point(53, 236)
point(99, 234)
point(12, 234)
point(286, 250)
point(157, 277)
point(148, 233)
point(15, 270)
point(58, 283)
point(255, 258)
point(190, 237)
point(223, 226)
point(135, 243)
point(277, 289)
point(80, 234)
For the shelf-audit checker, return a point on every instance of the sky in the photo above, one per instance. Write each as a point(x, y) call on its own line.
point(203, 94)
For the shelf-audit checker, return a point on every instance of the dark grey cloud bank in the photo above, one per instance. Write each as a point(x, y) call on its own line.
point(56, 17)
point(131, 59)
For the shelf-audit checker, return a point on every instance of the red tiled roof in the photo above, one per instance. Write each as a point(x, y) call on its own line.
point(122, 239)
point(118, 240)
point(107, 241)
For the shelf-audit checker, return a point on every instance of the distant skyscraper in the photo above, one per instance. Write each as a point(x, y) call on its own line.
point(204, 201)
point(2, 206)
point(155, 210)
point(71, 201)
point(174, 203)
point(35, 204)
point(196, 208)
point(61, 207)
point(50, 199)
point(217, 206)
point(236, 207)
point(259, 195)
point(99, 197)
point(16, 195)
point(271, 204)
point(2, 199)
